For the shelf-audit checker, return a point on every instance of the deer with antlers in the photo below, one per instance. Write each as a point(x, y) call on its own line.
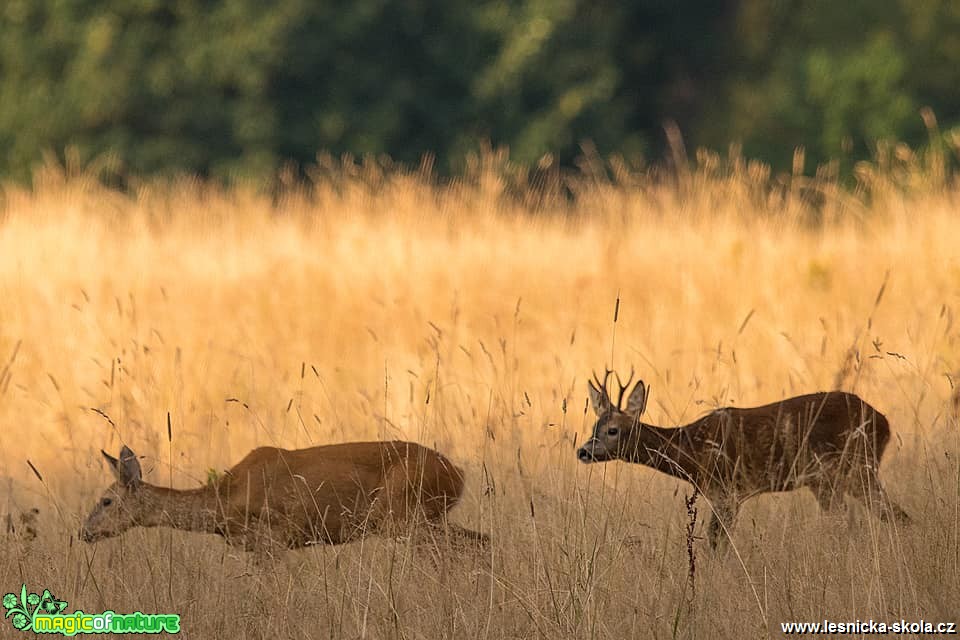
point(830, 442)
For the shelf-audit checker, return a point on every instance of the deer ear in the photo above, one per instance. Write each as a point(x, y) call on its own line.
point(127, 469)
point(113, 462)
point(637, 401)
point(598, 399)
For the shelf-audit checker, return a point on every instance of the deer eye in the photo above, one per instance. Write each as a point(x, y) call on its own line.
point(612, 431)
point(106, 502)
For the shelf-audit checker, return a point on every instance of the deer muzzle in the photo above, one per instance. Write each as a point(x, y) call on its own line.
point(91, 534)
point(592, 451)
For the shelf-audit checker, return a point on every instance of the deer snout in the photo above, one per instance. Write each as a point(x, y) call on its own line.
point(587, 453)
point(88, 534)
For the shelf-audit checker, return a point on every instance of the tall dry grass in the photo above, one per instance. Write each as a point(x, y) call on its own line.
point(468, 317)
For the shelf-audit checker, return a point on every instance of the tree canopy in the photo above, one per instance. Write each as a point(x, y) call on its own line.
point(235, 87)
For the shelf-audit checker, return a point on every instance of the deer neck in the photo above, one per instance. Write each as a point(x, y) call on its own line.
point(190, 509)
point(665, 449)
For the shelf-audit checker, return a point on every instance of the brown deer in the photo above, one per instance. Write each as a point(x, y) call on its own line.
point(282, 499)
point(831, 442)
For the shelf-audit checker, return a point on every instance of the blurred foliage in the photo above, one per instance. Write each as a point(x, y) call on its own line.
point(837, 77)
point(242, 87)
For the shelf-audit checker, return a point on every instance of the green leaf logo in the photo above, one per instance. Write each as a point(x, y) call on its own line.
point(20, 621)
point(50, 605)
point(23, 610)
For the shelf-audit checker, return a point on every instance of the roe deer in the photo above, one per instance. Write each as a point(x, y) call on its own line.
point(279, 498)
point(831, 442)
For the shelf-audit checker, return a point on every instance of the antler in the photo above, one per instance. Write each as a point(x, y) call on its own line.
point(623, 387)
point(601, 386)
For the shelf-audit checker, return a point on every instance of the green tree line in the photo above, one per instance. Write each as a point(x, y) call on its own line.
point(242, 87)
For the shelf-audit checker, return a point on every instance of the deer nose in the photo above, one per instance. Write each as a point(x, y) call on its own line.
point(584, 455)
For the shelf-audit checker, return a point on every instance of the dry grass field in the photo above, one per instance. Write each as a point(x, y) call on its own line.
point(469, 317)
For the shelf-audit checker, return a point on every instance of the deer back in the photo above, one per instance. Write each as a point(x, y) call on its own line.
point(785, 443)
point(342, 477)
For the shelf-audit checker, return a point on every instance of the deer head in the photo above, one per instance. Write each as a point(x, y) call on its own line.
point(613, 433)
point(120, 507)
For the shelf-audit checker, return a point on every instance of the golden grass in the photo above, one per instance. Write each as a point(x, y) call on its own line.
point(378, 306)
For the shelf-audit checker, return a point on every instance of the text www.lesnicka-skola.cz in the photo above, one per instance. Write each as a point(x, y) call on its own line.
point(869, 627)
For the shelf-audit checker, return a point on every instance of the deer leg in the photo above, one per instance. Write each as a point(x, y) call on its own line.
point(725, 510)
point(866, 488)
point(897, 512)
point(469, 537)
point(391, 513)
point(829, 497)
point(395, 514)
point(262, 549)
point(398, 512)
point(459, 538)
